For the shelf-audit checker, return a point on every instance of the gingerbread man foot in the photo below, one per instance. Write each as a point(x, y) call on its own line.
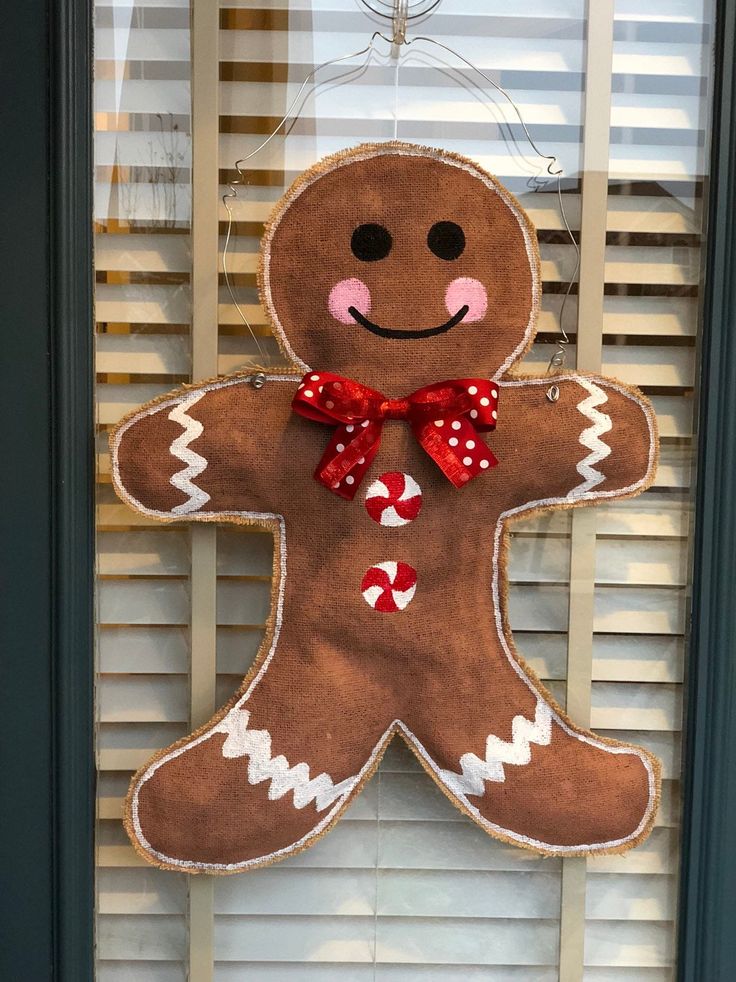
point(403, 284)
point(205, 809)
point(547, 786)
point(243, 792)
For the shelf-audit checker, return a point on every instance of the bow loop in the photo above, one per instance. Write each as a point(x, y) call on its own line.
point(328, 398)
point(446, 419)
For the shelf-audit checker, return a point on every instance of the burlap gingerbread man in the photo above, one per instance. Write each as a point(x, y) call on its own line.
point(404, 285)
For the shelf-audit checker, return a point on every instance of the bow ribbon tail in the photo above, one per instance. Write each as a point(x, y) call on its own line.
point(461, 460)
point(348, 456)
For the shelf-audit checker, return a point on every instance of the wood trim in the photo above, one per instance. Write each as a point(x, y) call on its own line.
point(707, 941)
point(46, 705)
point(583, 522)
point(205, 264)
point(72, 488)
point(26, 845)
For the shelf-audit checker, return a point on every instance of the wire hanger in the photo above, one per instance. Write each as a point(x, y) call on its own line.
point(401, 13)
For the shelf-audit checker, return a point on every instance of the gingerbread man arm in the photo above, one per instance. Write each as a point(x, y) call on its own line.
point(599, 440)
point(205, 452)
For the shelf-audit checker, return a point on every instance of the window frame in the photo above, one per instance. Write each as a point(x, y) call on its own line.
point(48, 601)
point(46, 700)
point(706, 941)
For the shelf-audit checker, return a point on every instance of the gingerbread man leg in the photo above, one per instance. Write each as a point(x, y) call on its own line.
point(505, 753)
point(261, 781)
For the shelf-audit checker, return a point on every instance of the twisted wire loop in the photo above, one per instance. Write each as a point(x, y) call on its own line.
point(399, 21)
point(400, 13)
point(413, 8)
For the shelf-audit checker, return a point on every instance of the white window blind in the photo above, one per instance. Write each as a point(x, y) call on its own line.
point(404, 888)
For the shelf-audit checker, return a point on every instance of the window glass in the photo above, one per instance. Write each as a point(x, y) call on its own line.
point(404, 888)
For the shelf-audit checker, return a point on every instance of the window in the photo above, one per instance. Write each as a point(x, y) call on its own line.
point(404, 888)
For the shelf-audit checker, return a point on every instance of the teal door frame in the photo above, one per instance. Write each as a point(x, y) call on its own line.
point(46, 494)
point(46, 509)
point(707, 937)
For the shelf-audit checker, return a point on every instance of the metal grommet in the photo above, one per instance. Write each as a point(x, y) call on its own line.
point(553, 393)
point(258, 381)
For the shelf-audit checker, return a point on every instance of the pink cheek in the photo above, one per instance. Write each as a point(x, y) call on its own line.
point(467, 291)
point(347, 294)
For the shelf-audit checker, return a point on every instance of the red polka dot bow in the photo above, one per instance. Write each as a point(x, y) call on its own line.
point(445, 417)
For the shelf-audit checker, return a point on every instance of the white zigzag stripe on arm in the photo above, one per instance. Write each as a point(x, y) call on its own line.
point(182, 480)
point(591, 438)
point(475, 772)
point(262, 766)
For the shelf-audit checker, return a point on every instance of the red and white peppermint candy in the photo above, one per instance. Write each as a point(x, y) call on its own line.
point(395, 499)
point(389, 586)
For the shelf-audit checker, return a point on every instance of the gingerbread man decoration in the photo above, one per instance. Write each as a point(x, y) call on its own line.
point(403, 284)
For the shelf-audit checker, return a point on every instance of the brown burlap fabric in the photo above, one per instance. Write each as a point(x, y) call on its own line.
point(343, 668)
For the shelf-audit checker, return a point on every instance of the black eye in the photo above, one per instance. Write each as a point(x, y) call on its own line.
point(371, 242)
point(446, 240)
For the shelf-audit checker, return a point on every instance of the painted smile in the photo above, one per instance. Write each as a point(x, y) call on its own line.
point(399, 335)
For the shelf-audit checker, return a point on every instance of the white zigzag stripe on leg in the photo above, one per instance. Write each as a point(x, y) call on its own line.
point(591, 438)
point(475, 772)
point(262, 766)
point(182, 480)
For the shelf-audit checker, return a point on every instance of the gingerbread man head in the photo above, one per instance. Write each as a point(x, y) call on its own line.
point(400, 264)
